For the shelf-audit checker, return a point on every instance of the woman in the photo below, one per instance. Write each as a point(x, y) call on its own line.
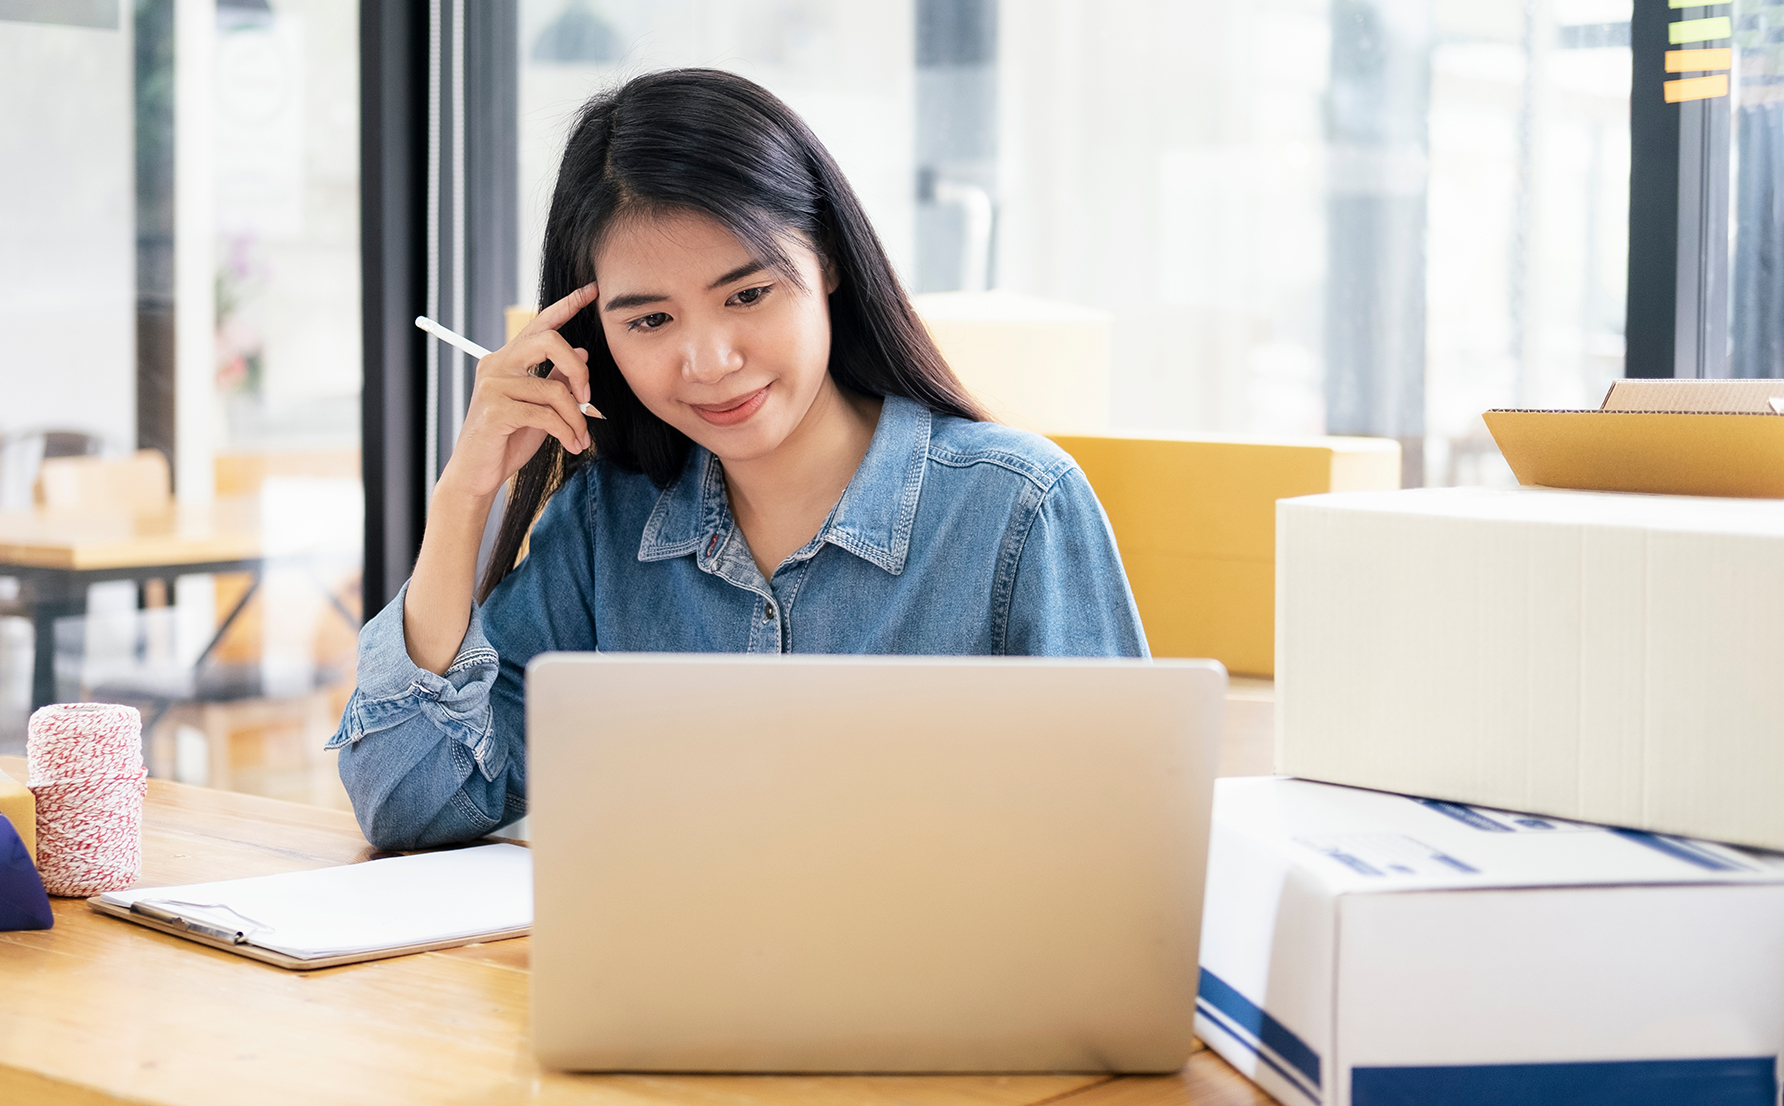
point(786, 464)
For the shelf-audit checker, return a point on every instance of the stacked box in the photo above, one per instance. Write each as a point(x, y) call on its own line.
point(1195, 517)
point(1366, 949)
point(1595, 656)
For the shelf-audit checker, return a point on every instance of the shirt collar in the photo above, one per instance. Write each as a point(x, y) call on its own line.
point(873, 520)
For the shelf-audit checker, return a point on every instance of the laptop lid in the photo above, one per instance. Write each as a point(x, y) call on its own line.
point(806, 864)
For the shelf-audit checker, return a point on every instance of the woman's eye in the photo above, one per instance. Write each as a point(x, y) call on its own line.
point(750, 296)
point(650, 321)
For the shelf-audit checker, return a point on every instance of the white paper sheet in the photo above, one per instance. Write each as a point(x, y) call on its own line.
point(382, 904)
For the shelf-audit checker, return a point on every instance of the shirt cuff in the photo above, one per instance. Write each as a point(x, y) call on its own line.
point(393, 689)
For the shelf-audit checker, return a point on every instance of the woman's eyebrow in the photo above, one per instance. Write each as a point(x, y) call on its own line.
point(737, 274)
point(636, 299)
point(639, 299)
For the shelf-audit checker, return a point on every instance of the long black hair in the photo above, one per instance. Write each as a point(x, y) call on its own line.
point(715, 144)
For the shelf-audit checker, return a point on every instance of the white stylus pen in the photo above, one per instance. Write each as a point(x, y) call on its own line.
point(453, 338)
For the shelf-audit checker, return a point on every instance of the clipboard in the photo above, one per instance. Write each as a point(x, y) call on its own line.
point(327, 917)
point(293, 963)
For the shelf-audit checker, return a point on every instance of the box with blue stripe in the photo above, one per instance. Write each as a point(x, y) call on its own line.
point(1361, 948)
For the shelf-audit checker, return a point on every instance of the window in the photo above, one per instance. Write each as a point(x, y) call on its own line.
point(182, 316)
point(1370, 216)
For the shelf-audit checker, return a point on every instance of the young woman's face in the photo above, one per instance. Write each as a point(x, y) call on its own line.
point(727, 351)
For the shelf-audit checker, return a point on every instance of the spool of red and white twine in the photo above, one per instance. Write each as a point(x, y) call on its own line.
point(89, 780)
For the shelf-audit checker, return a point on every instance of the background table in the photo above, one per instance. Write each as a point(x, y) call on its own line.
point(57, 554)
point(98, 1010)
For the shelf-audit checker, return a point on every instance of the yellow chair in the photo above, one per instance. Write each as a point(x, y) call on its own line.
point(140, 482)
point(1195, 518)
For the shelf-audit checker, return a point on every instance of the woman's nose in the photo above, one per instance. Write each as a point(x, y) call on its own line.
point(712, 356)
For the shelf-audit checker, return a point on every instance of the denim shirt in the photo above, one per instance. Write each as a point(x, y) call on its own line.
point(953, 537)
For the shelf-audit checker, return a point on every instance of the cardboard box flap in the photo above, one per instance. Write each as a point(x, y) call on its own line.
point(1359, 841)
point(1725, 397)
point(1675, 453)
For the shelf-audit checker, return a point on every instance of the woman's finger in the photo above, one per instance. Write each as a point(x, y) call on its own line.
point(519, 357)
point(548, 392)
point(551, 391)
point(517, 412)
point(570, 363)
point(577, 380)
point(588, 408)
point(562, 311)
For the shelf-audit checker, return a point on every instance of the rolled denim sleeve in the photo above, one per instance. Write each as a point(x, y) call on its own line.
point(1071, 597)
point(429, 759)
point(419, 752)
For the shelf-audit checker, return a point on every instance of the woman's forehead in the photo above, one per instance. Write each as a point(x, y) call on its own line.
point(681, 245)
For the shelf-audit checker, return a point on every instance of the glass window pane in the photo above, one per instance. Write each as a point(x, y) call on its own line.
point(1756, 213)
point(188, 216)
point(845, 67)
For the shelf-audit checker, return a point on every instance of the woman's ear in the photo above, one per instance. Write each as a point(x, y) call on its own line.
point(832, 277)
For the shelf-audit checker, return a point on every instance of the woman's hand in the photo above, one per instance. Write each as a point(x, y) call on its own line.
point(512, 411)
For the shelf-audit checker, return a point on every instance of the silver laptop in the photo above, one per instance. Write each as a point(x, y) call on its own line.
point(867, 864)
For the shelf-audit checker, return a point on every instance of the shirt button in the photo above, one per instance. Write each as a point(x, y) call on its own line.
point(768, 612)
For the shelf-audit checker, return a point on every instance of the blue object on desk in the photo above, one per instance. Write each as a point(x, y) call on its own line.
point(23, 902)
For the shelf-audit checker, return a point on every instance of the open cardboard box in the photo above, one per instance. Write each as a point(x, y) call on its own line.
point(1675, 437)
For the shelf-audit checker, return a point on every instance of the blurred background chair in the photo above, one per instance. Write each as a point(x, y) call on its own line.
point(138, 483)
point(23, 452)
point(123, 647)
point(240, 675)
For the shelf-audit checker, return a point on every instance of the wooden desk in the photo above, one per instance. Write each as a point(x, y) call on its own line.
point(97, 1010)
point(57, 554)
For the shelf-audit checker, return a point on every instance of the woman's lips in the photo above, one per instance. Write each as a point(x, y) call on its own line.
point(732, 412)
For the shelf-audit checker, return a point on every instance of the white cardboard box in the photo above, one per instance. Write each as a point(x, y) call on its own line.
point(1366, 949)
point(1605, 657)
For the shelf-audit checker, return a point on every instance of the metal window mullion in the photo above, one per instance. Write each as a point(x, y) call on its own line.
point(432, 440)
point(1700, 329)
point(1651, 328)
point(1713, 274)
point(1700, 326)
point(460, 316)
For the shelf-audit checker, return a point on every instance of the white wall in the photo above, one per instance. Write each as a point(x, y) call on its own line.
point(67, 248)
